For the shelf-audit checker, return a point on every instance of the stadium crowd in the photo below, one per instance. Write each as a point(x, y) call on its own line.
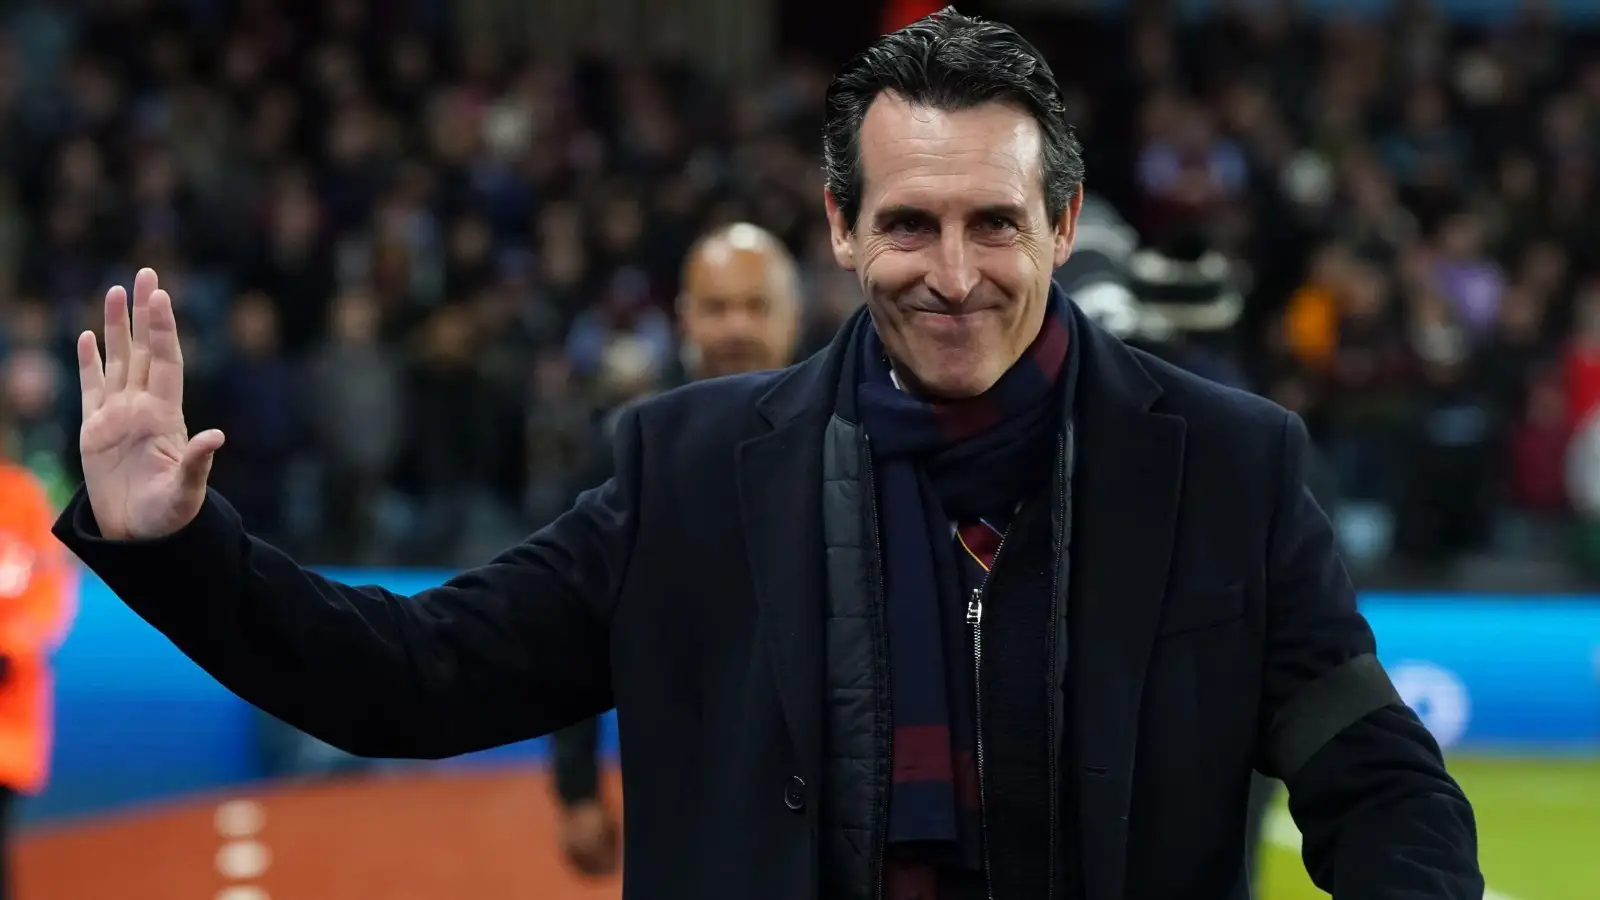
point(411, 269)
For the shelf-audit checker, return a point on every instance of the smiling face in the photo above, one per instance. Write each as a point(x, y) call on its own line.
point(953, 245)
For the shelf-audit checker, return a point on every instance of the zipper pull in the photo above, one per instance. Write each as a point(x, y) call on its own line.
point(975, 607)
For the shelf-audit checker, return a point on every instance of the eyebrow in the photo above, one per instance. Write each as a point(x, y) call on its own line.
point(900, 211)
point(1003, 210)
point(906, 211)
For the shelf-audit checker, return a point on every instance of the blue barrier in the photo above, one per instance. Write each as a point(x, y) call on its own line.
point(136, 720)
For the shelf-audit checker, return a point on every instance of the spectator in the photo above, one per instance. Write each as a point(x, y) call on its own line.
point(1467, 279)
point(256, 398)
point(448, 438)
point(625, 314)
point(1582, 358)
point(294, 262)
point(1448, 454)
point(356, 411)
point(1366, 381)
point(1538, 444)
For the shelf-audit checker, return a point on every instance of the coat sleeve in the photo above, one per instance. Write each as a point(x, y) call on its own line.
point(1380, 816)
point(505, 652)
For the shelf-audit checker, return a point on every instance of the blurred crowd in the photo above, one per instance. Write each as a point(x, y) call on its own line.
point(411, 267)
point(1411, 206)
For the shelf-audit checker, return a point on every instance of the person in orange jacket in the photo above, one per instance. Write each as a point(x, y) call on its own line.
point(35, 610)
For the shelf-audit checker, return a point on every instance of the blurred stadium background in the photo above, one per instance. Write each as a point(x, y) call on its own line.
point(458, 225)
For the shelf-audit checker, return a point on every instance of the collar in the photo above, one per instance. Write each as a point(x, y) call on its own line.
point(1115, 374)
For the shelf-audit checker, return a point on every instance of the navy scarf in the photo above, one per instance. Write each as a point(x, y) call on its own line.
point(936, 464)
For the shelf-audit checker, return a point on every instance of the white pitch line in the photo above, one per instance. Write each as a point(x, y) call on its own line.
point(239, 819)
point(1281, 831)
point(241, 856)
point(243, 860)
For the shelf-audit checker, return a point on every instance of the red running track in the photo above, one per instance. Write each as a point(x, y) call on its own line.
point(426, 835)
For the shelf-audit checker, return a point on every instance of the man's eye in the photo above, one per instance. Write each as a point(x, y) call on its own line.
point(908, 228)
point(997, 223)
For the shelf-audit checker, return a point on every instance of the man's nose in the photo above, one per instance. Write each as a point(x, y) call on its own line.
point(740, 322)
point(954, 273)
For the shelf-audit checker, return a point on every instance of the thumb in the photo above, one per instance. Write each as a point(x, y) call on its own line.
point(196, 465)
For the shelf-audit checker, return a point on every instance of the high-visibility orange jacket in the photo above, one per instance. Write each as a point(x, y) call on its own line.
point(36, 606)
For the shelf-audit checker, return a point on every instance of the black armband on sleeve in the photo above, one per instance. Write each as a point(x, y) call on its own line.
point(1322, 709)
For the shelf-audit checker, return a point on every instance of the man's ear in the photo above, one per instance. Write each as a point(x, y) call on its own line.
point(1066, 227)
point(844, 251)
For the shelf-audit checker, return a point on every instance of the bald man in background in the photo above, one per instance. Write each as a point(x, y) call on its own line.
point(738, 311)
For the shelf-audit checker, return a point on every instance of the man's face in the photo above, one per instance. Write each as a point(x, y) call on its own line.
point(953, 246)
point(738, 310)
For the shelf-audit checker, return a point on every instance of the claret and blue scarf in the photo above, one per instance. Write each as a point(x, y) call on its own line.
point(949, 476)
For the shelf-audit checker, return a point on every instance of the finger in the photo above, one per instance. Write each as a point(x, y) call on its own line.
point(91, 377)
point(117, 339)
point(145, 283)
point(164, 353)
point(197, 458)
point(144, 287)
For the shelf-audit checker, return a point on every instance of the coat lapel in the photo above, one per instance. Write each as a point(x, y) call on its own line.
point(1124, 515)
point(780, 502)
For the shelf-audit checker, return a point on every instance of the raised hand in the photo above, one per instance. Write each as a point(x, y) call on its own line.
point(145, 476)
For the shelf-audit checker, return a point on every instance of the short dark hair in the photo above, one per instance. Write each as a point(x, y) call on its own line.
point(948, 61)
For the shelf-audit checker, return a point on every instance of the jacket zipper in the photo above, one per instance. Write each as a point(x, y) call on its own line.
point(975, 619)
point(881, 826)
point(1056, 612)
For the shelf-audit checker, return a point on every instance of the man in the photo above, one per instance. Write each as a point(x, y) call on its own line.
point(832, 677)
point(738, 311)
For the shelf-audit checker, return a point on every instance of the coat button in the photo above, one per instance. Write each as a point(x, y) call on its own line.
point(794, 793)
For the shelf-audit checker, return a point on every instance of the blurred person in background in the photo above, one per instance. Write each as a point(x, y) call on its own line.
point(451, 434)
point(258, 393)
point(353, 376)
point(1580, 358)
point(1537, 450)
point(738, 311)
point(36, 609)
point(1186, 284)
point(1449, 459)
point(558, 431)
point(1363, 363)
point(31, 386)
point(626, 312)
point(1466, 276)
point(1580, 383)
point(1096, 275)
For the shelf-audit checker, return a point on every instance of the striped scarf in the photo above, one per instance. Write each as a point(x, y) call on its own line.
point(938, 464)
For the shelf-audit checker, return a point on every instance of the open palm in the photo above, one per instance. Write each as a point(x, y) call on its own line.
point(146, 478)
